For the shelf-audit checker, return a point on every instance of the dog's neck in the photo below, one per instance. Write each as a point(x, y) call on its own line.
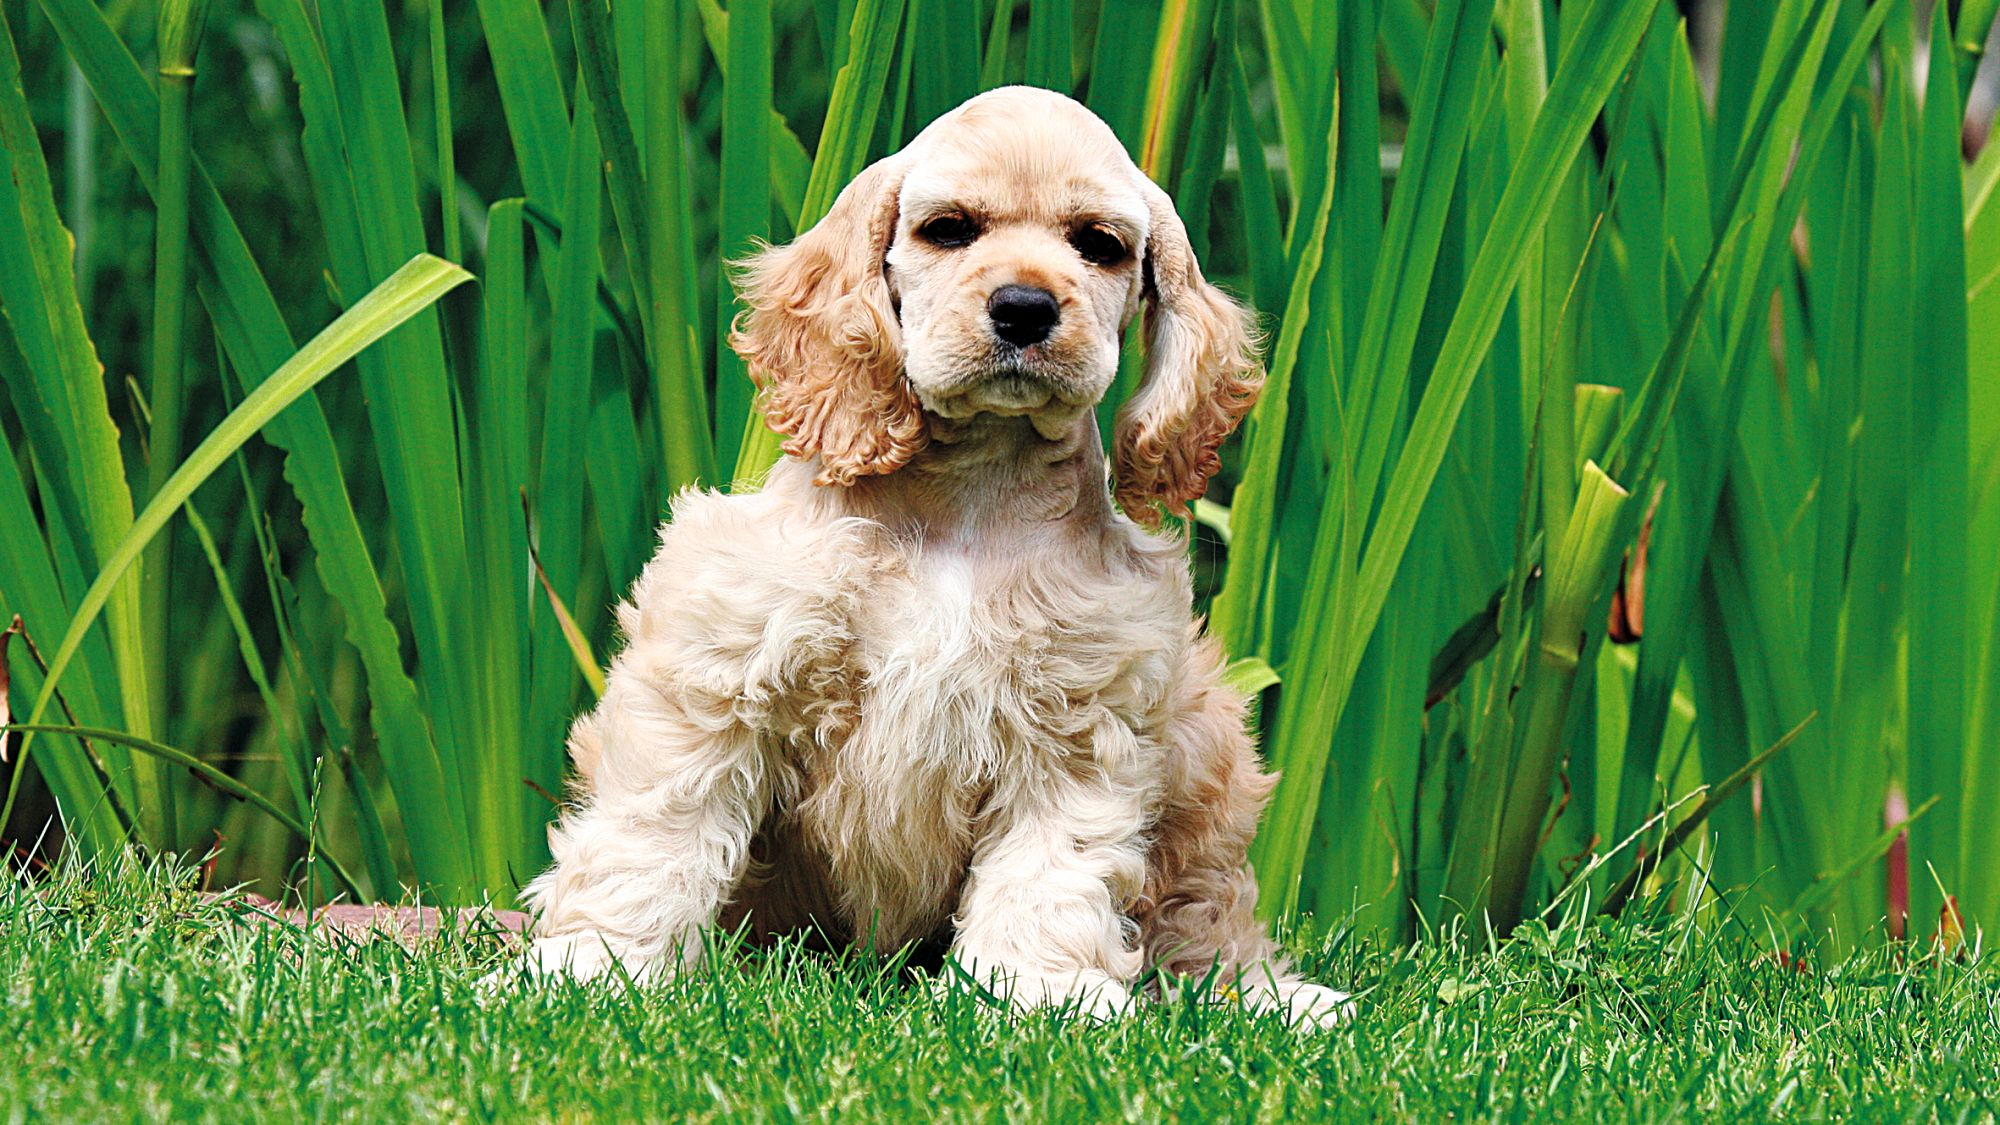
point(988, 477)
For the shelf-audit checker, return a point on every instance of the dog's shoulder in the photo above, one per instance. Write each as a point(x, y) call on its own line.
point(748, 562)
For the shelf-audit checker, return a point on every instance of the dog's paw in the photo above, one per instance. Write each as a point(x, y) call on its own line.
point(578, 956)
point(1090, 993)
point(1304, 1006)
point(1094, 995)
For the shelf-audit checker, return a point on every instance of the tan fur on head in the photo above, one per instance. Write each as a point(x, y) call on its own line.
point(821, 338)
point(1202, 377)
point(865, 331)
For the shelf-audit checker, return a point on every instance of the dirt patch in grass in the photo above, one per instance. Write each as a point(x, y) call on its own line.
point(406, 925)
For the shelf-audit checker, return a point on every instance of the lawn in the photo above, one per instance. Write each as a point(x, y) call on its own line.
point(133, 996)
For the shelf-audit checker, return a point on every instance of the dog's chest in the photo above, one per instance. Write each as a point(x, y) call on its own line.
point(970, 676)
point(975, 667)
point(942, 663)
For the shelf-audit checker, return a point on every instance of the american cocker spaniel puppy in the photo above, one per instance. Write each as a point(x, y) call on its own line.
point(929, 679)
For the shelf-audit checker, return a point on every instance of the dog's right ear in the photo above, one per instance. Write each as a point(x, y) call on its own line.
point(820, 335)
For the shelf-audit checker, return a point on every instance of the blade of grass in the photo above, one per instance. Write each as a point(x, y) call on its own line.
point(789, 163)
point(441, 120)
point(306, 678)
point(1828, 790)
point(558, 498)
point(501, 472)
point(1823, 889)
point(297, 761)
point(1440, 118)
point(948, 72)
point(1295, 94)
point(854, 106)
point(524, 68)
point(1236, 612)
point(1194, 188)
point(1178, 56)
point(1942, 647)
point(680, 402)
point(1357, 187)
point(1753, 200)
point(1405, 28)
point(993, 60)
point(1117, 72)
point(31, 591)
point(1869, 692)
point(1050, 27)
point(1838, 293)
point(410, 406)
point(1261, 226)
point(1721, 791)
point(624, 168)
point(579, 645)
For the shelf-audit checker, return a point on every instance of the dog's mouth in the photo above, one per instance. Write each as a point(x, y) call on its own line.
point(1012, 394)
point(1010, 381)
point(1039, 368)
point(1024, 390)
point(1004, 394)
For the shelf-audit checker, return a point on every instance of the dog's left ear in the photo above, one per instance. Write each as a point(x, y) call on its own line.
point(1202, 375)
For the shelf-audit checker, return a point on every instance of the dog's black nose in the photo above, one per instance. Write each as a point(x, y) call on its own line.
point(1022, 315)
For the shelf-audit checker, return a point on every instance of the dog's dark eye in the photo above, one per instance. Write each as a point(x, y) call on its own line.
point(1099, 244)
point(950, 230)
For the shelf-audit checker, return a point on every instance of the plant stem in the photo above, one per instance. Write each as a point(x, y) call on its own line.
point(180, 28)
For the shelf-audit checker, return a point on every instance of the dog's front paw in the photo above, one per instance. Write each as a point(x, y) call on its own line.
point(1304, 1006)
point(582, 956)
point(1090, 993)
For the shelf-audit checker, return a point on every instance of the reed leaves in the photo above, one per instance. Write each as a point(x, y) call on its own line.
point(1613, 427)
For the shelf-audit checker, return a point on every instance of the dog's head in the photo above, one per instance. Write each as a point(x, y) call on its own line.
point(991, 267)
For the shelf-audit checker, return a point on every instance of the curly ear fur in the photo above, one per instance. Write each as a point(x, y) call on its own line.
point(1202, 376)
point(821, 339)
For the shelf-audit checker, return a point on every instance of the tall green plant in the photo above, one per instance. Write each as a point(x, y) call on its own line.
point(1589, 468)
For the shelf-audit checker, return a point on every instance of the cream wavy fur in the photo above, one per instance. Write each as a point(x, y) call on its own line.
point(929, 678)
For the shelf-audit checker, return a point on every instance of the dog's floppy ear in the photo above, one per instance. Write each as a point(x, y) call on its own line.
point(820, 336)
point(1202, 375)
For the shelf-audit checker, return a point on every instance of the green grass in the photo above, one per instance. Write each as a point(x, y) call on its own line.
point(131, 996)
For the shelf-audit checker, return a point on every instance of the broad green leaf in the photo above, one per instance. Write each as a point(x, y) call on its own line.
point(1942, 644)
point(65, 384)
point(743, 212)
point(680, 399)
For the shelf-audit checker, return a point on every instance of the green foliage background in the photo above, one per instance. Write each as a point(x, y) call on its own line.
point(1553, 316)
